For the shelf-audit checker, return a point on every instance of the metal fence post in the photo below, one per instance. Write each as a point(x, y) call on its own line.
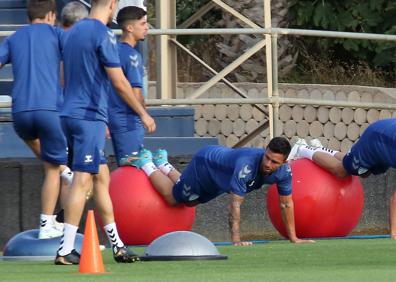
point(268, 60)
point(275, 88)
point(166, 52)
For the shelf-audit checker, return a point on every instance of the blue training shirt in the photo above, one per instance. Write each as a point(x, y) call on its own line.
point(219, 170)
point(376, 149)
point(89, 47)
point(121, 117)
point(35, 54)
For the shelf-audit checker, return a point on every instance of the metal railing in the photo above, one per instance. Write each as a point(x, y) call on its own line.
point(275, 101)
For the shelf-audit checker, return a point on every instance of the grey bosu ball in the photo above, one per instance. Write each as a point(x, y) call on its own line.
point(27, 246)
point(181, 245)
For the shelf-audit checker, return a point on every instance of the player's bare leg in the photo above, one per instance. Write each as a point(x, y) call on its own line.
point(104, 207)
point(160, 176)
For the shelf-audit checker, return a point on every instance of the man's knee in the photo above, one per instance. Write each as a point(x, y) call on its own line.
point(339, 171)
point(82, 180)
point(101, 179)
point(170, 200)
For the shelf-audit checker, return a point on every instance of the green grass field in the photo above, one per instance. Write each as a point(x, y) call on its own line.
point(327, 260)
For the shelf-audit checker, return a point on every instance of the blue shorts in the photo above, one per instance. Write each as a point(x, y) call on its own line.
point(352, 160)
point(46, 126)
point(86, 140)
point(125, 143)
point(352, 165)
point(184, 191)
point(187, 189)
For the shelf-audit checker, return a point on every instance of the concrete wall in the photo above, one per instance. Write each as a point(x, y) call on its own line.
point(337, 128)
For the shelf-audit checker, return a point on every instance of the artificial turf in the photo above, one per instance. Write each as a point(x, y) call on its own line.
point(326, 260)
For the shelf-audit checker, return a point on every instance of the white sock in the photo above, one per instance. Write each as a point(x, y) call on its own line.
point(67, 240)
point(326, 151)
point(308, 151)
point(166, 168)
point(149, 168)
point(46, 221)
point(112, 235)
point(67, 175)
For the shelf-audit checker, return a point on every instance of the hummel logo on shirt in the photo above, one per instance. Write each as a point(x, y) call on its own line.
point(112, 37)
point(244, 171)
point(134, 61)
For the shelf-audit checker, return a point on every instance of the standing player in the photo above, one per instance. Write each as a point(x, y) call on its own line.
point(126, 128)
point(141, 46)
point(374, 153)
point(71, 13)
point(215, 170)
point(34, 52)
point(90, 59)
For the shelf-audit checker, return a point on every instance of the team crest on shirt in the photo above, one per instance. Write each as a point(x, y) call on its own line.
point(134, 60)
point(244, 172)
point(112, 37)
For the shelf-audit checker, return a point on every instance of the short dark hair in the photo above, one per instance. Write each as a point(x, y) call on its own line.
point(38, 9)
point(129, 13)
point(279, 145)
point(72, 13)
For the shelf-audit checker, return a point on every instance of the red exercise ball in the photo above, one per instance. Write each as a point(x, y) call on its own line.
point(140, 212)
point(324, 205)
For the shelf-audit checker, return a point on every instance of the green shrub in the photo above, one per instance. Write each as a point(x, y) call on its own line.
point(373, 16)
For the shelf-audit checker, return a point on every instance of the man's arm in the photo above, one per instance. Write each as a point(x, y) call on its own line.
point(234, 220)
point(392, 216)
point(287, 211)
point(124, 89)
point(139, 95)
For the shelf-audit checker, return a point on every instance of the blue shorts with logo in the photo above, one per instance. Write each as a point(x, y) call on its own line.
point(359, 160)
point(353, 161)
point(352, 164)
point(46, 126)
point(86, 140)
point(187, 189)
point(125, 143)
point(184, 192)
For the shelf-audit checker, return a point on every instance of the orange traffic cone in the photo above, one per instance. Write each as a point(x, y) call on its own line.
point(91, 260)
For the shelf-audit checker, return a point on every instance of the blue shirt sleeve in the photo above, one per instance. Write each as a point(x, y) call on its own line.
point(132, 72)
point(284, 183)
point(108, 51)
point(5, 52)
